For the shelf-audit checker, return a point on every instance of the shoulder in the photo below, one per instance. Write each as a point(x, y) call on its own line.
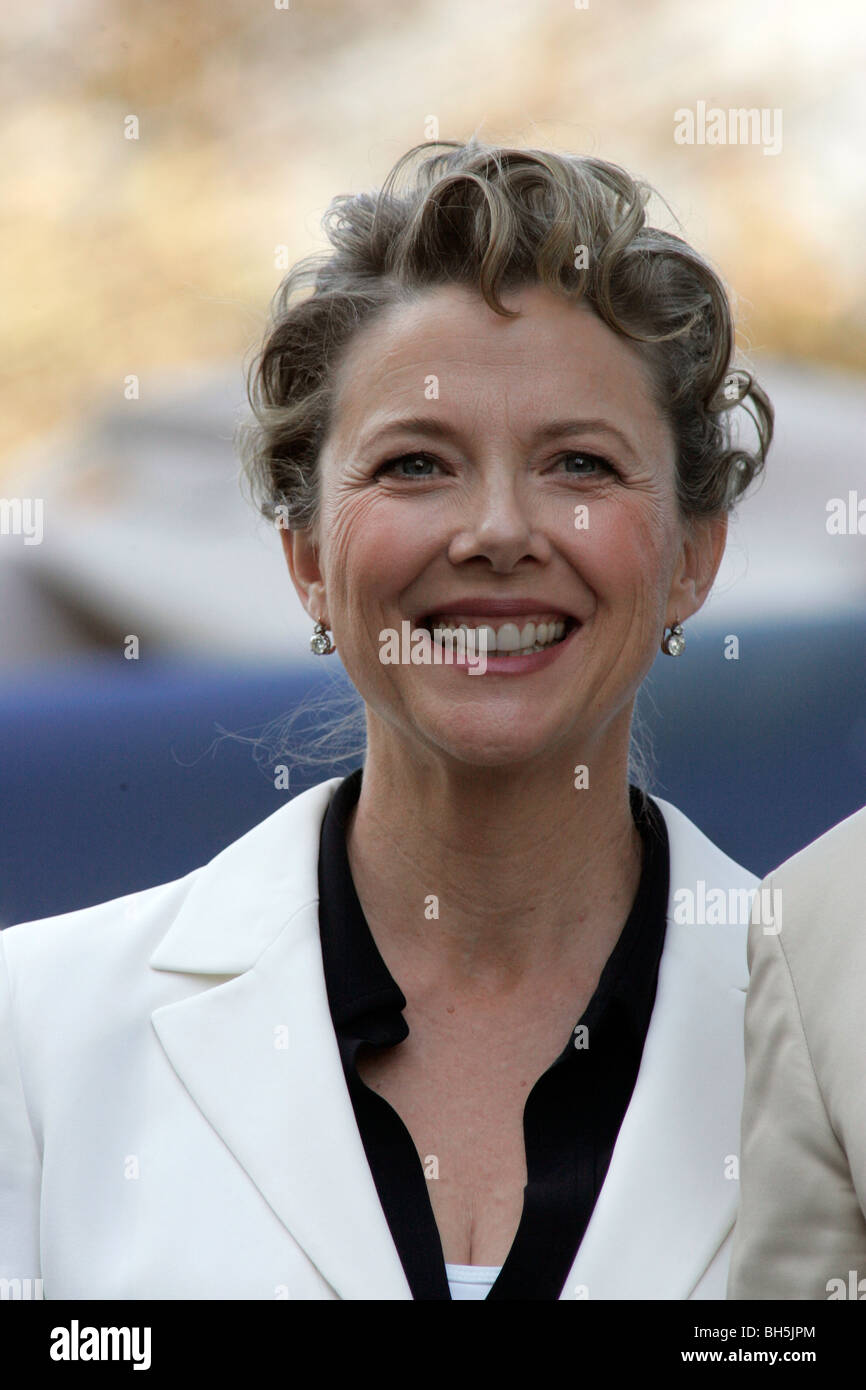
point(830, 869)
point(817, 897)
point(94, 943)
point(78, 990)
point(709, 901)
point(806, 990)
point(693, 853)
point(112, 927)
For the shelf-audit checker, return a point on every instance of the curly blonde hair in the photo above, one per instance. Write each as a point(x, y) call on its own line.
point(497, 219)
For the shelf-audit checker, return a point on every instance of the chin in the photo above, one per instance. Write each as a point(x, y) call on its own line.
point(493, 743)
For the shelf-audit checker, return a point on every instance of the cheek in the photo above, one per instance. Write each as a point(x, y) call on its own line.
point(374, 548)
point(625, 552)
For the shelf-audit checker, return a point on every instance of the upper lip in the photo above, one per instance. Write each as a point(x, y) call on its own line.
point(494, 607)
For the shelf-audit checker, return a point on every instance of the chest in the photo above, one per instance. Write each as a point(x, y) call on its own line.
point(461, 1093)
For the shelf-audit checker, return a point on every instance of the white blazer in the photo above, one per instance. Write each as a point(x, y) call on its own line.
point(175, 1123)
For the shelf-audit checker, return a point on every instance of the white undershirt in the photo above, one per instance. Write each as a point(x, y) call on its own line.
point(471, 1281)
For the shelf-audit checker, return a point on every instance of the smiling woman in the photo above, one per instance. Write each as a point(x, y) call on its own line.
point(514, 1072)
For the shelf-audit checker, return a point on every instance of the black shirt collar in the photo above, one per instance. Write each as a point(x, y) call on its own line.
point(362, 993)
point(365, 1001)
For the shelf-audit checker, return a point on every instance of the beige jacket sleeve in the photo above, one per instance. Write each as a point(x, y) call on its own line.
point(801, 1230)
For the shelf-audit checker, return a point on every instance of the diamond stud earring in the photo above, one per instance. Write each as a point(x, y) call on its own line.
point(674, 642)
point(320, 642)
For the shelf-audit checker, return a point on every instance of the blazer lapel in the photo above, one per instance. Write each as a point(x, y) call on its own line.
point(670, 1197)
point(258, 1055)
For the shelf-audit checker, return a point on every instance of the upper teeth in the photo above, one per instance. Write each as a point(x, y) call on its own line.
point(507, 636)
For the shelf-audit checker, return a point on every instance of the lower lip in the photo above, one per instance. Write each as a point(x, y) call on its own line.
point(520, 665)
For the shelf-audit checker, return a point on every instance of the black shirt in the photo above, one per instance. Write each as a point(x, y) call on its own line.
point(572, 1114)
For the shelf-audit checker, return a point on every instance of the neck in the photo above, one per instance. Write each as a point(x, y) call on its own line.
point(472, 872)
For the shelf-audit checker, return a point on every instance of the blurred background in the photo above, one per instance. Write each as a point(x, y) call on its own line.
point(137, 278)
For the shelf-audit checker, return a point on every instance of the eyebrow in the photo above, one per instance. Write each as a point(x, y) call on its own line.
point(435, 428)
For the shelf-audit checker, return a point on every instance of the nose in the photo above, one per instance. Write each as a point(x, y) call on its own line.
point(498, 523)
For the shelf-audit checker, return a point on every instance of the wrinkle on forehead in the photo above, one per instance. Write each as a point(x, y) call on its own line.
point(516, 369)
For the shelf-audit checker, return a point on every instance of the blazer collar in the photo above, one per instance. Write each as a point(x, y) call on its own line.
point(669, 1199)
point(258, 1055)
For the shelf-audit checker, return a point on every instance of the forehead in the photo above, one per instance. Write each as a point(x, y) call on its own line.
point(554, 353)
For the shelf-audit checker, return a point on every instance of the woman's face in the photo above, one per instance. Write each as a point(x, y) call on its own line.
point(475, 458)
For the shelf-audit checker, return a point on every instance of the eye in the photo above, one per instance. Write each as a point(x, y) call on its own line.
point(593, 463)
point(393, 466)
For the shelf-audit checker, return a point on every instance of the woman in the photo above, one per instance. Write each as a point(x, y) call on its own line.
point(434, 1030)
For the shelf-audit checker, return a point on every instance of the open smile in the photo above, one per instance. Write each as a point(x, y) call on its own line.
point(515, 645)
point(508, 637)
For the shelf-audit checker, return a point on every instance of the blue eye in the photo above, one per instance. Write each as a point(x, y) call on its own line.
point(421, 465)
point(594, 459)
point(391, 465)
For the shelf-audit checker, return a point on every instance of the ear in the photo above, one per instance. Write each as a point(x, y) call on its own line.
point(703, 546)
point(302, 557)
